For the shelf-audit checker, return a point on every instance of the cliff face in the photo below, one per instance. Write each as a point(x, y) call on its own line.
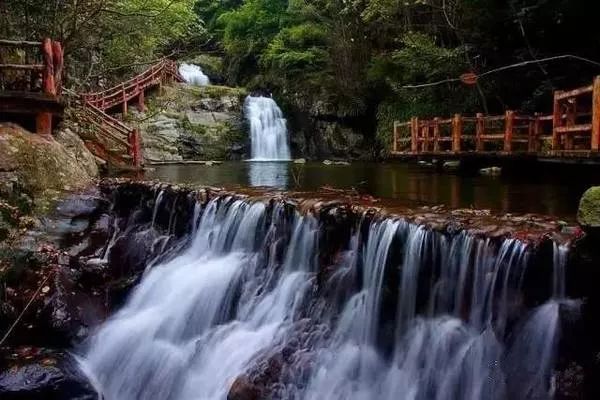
point(194, 123)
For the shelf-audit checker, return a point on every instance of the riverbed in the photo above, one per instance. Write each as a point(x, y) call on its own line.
point(411, 184)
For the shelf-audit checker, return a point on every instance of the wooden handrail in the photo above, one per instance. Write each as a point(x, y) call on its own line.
point(19, 43)
point(97, 103)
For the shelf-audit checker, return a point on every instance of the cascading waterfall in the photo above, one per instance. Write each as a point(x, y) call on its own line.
point(268, 130)
point(246, 299)
point(193, 75)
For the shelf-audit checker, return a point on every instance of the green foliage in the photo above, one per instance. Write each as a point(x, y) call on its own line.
point(301, 48)
point(103, 38)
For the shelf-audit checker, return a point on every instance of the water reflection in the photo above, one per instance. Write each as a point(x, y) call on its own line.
point(267, 173)
point(412, 185)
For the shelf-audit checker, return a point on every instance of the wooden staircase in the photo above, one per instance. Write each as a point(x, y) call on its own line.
point(113, 140)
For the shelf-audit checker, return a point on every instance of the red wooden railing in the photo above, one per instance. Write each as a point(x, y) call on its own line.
point(133, 88)
point(116, 139)
point(47, 64)
point(572, 129)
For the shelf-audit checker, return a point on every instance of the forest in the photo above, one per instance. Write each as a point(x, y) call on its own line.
point(357, 59)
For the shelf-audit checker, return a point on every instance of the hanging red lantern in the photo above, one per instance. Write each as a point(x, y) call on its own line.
point(469, 78)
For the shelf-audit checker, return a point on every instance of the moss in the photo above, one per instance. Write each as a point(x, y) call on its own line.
point(216, 92)
point(588, 214)
point(41, 164)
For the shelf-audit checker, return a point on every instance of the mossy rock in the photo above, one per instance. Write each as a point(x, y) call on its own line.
point(588, 214)
point(40, 164)
point(217, 92)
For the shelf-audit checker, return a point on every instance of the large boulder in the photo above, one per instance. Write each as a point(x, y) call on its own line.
point(588, 214)
point(75, 147)
point(195, 123)
point(40, 164)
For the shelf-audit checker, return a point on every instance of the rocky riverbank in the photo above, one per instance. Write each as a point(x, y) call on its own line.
point(73, 268)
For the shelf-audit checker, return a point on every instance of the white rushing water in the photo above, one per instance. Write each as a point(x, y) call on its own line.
point(268, 129)
point(193, 75)
point(245, 300)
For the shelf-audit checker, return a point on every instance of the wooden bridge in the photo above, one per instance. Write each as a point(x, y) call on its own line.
point(571, 131)
point(34, 87)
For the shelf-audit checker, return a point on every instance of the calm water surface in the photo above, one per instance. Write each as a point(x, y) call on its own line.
point(409, 183)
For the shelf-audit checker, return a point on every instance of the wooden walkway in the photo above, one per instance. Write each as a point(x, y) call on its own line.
point(34, 88)
point(571, 131)
point(115, 139)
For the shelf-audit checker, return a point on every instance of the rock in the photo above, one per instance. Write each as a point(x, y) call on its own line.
point(75, 147)
point(300, 161)
point(588, 213)
point(40, 164)
point(243, 389)
point(47, 379)
point(68, 313)
point(451, 165)
point(196, 123)
point(491, 171)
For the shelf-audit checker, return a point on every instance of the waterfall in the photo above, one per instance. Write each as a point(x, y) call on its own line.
point(268, 130)
point(193, 75)
point(402, 313)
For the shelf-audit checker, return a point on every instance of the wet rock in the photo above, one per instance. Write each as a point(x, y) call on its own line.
point(300, 161)
point(588, 214)
point(47, 379)
point(451, 165)
point(243, 389)
point(491, 171)
point(69, 313)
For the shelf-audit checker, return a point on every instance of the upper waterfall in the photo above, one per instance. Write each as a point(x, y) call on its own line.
point(193, 75)
point(268, 130)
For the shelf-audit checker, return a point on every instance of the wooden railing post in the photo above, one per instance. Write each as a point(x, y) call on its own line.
point(571, 120)
point(395, 138)
point(509, 123)
point(535, 126)
point(457, 126)
point(135, 147)
point(436, 135)
point(414, 135)
point(596, 115)
point(424, 135)
point(479, 131)
point(556, 121)
point(124, 98)
point(43, 120)
point(142, 106)
point(58, 58)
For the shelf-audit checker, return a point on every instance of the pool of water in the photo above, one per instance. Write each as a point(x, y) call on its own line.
point(543, 193)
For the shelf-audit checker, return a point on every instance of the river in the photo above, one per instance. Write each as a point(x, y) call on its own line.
point(413, 185)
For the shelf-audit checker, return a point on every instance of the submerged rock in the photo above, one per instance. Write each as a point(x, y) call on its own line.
point(491, 171)
point(451, 165)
